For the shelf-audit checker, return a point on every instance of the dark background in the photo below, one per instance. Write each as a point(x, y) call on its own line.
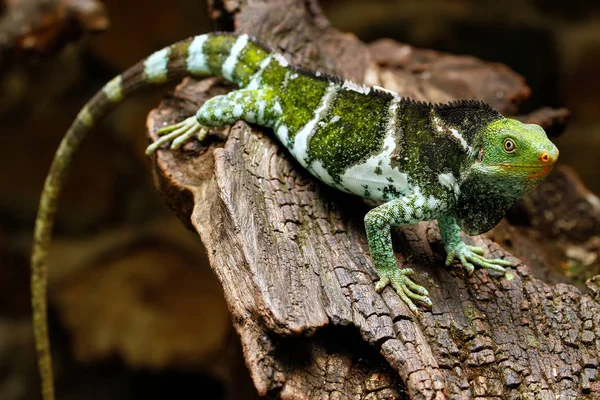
point(146, 341)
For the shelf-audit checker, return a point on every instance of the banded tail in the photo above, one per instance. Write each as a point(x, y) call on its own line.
point(236, 58)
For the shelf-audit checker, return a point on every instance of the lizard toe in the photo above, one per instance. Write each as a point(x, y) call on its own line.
point(476, 249)
point(408, 290)
point(176, 134)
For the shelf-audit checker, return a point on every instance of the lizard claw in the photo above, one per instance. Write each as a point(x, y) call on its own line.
point(404, 286)
point(178, 134)
point(470, 256)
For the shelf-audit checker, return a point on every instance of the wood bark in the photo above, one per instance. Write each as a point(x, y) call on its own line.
point(293, 260)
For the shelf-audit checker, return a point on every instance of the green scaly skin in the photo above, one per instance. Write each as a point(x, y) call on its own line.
point(424, 161)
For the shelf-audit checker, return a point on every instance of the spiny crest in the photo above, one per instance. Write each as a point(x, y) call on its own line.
point(299, 69)
point(261, 43)
point(465, 104)
point(466, 116)
point(383, 93)
point(418, 104)
point(459, 104)
point(317, 74)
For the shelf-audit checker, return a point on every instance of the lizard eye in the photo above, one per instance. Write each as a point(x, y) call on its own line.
point(509, 145)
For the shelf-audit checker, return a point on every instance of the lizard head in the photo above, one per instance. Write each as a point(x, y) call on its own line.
point(511, 158)
point(515, 155)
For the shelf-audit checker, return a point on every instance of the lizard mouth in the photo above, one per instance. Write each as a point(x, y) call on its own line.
point(536, 171)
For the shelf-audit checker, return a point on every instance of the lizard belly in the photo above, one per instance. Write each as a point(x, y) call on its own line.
point(377, 180)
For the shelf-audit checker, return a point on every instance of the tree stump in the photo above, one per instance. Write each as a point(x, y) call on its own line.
point(292, 256)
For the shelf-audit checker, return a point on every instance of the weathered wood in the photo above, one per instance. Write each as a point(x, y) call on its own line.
point(293, 260)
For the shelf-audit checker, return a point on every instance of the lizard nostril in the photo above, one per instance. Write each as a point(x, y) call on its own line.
point(545, 158)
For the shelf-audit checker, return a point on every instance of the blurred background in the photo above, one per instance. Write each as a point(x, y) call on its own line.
point(170, 332)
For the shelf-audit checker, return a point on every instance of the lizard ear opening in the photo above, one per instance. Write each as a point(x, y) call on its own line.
point(481, 154)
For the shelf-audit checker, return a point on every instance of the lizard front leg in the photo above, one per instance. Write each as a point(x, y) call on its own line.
point(469, 256)
point(378, 223)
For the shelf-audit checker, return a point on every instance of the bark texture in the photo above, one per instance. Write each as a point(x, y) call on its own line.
point(293, 260)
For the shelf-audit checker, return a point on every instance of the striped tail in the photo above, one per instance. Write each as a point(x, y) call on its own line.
point(235, 57)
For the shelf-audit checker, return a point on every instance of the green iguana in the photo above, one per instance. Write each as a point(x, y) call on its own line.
point(461, 163)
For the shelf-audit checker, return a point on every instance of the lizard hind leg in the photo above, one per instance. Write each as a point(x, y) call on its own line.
point(255, 106)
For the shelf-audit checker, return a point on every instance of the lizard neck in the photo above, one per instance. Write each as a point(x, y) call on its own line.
point(483, 201)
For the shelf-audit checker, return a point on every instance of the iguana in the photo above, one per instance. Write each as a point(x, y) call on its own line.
point(461, 162)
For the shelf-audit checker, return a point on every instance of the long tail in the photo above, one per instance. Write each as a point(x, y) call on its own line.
point(235, 57)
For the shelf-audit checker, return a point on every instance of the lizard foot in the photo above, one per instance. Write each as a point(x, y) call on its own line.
point(178, 134)
point(404, 286)
point(469, 256)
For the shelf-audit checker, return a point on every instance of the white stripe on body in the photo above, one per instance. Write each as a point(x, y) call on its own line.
point(362, 178)
point(441, 128)
point(320, 172)
point(282, 133)
point(302, 138)
point(232, 60)
point(449, 181)
point(281, 59)
point(256, 79)
point(355, 87)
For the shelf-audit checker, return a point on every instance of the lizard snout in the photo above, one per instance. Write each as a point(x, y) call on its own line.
point(549, 157)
